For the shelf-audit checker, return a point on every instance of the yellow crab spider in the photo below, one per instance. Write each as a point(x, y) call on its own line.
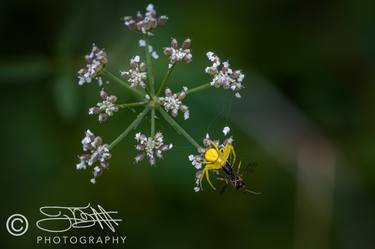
point(215, 159)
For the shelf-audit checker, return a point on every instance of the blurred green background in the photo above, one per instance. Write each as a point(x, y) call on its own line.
point(307, 119)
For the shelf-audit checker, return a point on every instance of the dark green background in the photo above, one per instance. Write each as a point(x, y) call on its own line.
point(306, 117)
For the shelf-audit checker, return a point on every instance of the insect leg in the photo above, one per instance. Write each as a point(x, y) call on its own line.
point(238, 168)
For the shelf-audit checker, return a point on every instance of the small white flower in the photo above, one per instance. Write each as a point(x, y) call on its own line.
point(176, 54)
point(106, 108)
point(96, 61)
point(223, 76)
point(186, 114)
point(173, 102)
point(226, 130)
point(238, 95)
point(155, 55)
point(151, 148)
point(196, 161)
point(142, 43)
point(137, 74)
point(97, 154)
point(145, 23)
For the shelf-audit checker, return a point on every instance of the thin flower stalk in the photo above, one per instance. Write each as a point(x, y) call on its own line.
point(198, 88)
point(152, 122)
point(149, 66)
point(178, 128)
point(131, 127)
point(135, 104)
point(165, 79)
point(121, 82)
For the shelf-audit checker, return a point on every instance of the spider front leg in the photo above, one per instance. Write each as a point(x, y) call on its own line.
point(229, 154)
point(209, 182)
point(205, 172)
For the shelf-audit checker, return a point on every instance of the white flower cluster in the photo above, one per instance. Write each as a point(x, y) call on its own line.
point(96, 61)
point(176, 54)
point(150, 147)
point(96, 153)
point(145, 23)
point(197, 160)
point(173, 102)
point(223, 76)
point(197, 181)
point(137, 73)
point(106, 108)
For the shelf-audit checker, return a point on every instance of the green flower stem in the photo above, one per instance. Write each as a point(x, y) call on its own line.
point(135, 104)
point(198, 88)
point(177, 127)
point(152, 122)
point(121, 82)
point(165, 79)
point(132, 126)
point(149, 67)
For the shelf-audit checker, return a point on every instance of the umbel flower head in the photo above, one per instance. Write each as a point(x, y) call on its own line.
point(96, 155)
point(106, 108)
point(145, 23)
point(154, 96)
point(96, 61)
point(173, 102)
point(175, 54)
point(223, 76)
point(198, 160)
point(137, 74)
point(150, 147)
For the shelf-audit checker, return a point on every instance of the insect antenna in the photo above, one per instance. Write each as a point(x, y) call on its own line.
point(253, 192)
point(250, 168)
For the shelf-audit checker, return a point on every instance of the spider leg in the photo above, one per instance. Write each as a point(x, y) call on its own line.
point(201, 178)
point(227, 154)
point(216, 148)
point(222, 149)
point(209, 182)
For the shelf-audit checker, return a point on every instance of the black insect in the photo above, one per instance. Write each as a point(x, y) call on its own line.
point(235, 178)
